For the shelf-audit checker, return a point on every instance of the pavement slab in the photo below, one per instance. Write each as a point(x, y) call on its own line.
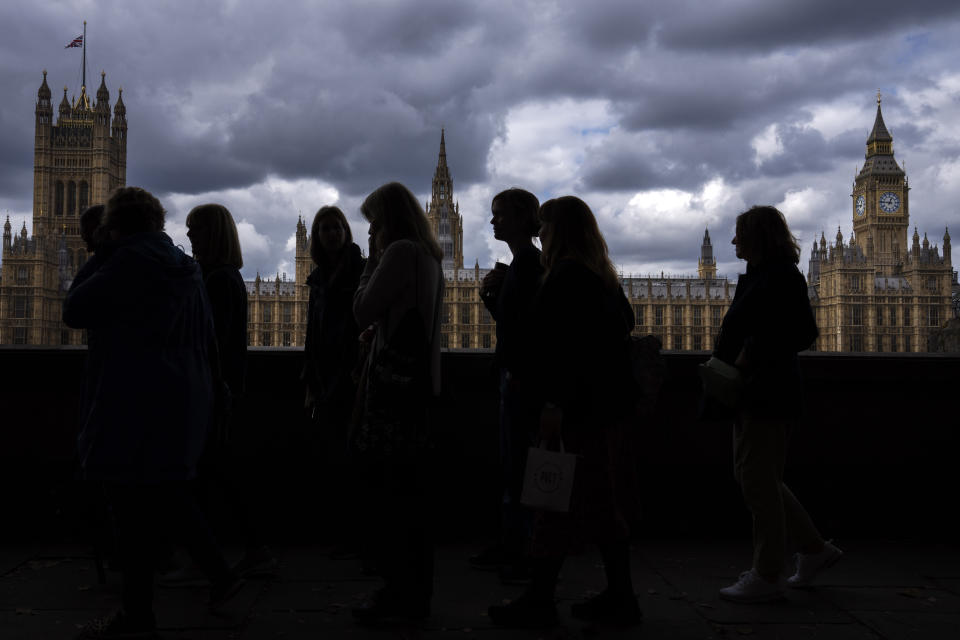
point(882, 590)
point(909, 625)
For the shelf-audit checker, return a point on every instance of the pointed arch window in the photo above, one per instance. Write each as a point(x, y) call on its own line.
point(71, 198)
point(58, 199)
point(84, 195)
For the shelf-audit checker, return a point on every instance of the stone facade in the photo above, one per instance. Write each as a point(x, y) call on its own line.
point(685, 312)
point(77, 162)
point(876, 292)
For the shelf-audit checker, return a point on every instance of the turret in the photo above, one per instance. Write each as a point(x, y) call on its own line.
point(65, 111)
point(44, 110)
point(946, 245)
point(102, 109)
point(7, 235)
point(916, 244)
point(706, 265)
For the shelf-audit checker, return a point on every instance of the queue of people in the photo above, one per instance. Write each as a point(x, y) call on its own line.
point(164, 389)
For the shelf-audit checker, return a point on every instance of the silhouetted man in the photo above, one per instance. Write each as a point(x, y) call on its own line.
point(147, 398)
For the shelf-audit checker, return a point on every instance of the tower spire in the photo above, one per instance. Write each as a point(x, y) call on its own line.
point(442, 160)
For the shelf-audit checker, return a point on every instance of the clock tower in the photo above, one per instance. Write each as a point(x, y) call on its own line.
point(881, 212)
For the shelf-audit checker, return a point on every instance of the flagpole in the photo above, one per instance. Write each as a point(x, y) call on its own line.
point(84, 54)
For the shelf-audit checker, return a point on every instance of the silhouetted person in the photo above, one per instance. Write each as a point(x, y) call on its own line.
point(768, 322)
point(400, 292)
point(148, 397)
point(330, 355)
point(583, 321)
point(234, 454)
point(90, 223)
point(508, 294)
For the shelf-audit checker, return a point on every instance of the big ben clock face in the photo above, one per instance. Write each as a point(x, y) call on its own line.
point(889, 201)
point(860, 206)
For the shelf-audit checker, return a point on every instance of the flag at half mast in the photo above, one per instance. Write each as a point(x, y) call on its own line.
point(76, 42)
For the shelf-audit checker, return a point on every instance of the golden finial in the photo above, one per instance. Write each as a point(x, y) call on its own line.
point(44, 73)
point(878, 97)
point(103, 73)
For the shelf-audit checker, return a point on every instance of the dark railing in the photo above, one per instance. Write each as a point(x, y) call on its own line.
point(876, 453)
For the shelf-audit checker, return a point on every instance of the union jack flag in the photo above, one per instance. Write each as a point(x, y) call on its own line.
point(76, 42)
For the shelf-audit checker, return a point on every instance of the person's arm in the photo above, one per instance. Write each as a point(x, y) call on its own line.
point(382, 282)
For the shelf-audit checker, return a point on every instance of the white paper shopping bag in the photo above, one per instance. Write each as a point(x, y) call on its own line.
point(548, 479)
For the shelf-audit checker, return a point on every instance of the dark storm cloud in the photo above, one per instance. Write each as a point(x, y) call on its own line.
point(221, 96)
point(747, 25)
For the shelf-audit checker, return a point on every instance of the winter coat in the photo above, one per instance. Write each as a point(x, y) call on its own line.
point(770, 319)
point(228, 303)
point(510, 307)
point(148, 396)
point(330, 348)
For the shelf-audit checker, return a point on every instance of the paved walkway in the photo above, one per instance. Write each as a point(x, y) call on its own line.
point(886, 590)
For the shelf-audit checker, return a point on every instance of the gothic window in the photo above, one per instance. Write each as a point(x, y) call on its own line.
point(933, 316)
point(856, 317)
point(893, 316)
point(265, 339)
point(698, 316)
point(84, 195)
point(71, 198)
point(286, 339)
point(906, 316)
point(677, 342)
point(485, 317)
point(856, 342)
point(64, 336)
point(444, 227)
point(879, 316)
point(445, 316)
point(19, 335)
point(677, 316)
point(638, 313)
point(658, 315)
point(906, 343)
point(893, 342)
point(444, 340)
point(697, 343)
point(22, 275)
point(287, 314)
point(485, 340)
point(717, 317)
point(465, 341)
point(20, 306)
point(464, 314)
point(267, 315)
point(58, 199)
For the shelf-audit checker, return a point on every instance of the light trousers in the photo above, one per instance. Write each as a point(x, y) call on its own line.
point(759, 456)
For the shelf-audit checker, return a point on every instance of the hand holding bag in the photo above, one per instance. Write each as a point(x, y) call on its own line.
point(548, 479)
point(722, 382)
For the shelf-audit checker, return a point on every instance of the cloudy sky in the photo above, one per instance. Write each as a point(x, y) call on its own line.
point(665, 117)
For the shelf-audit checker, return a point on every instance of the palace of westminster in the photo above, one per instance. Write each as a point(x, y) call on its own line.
point(873, 292)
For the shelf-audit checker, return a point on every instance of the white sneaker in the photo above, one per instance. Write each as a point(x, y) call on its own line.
point(809, 565)
point(752, 588)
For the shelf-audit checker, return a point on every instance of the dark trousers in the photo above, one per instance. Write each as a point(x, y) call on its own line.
point(518, 420)
point(399, 518)
point(147, 516)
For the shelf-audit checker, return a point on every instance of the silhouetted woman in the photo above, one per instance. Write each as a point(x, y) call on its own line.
point(768, 322)
point(330, 350)
point(400, 293)
point(216, 247)
point(330, 355)
point(584, 320)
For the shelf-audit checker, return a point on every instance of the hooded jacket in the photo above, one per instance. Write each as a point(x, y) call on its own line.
point(147, 397)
